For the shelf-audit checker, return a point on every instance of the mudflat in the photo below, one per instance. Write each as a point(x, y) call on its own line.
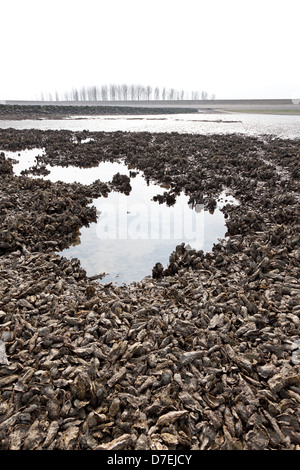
point(202, 354)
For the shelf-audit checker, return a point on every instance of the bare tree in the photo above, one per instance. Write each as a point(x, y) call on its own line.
point(171, 94)
point(132, 92)
point(139, 91)
point(112, 92)
point(104, 92)
point(156, 93)
point(148, 91)
point(82, 94)
point(125, 91)
point(204, 95)
point(95, 93)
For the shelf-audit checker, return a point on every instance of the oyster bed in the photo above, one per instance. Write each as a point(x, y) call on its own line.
point(61, 112)
point(203, 354)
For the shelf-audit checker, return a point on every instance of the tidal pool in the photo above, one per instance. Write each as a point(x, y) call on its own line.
point(24, 159)
point(130, 237)
point(133, 231)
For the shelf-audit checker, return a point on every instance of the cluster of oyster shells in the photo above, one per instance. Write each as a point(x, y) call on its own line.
point(202, 354)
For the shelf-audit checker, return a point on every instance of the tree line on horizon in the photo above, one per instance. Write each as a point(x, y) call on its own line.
point(124, 92)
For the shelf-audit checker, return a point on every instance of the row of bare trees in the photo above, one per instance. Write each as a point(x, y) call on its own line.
point(124, 92)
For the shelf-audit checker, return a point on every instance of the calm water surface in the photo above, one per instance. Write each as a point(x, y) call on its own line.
point(133, 231)
point(249, 124)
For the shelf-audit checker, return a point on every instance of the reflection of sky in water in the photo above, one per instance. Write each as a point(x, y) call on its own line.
point(104, 172)
point(132, 232)
point(25, 158)
point(251, 124)
point(132, 259)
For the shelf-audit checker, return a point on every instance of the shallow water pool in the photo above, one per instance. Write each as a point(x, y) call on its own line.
point(133, 231)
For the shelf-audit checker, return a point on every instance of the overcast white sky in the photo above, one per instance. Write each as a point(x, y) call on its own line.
point(232, 48)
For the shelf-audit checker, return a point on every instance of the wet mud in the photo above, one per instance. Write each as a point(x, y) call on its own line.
point(203, 354)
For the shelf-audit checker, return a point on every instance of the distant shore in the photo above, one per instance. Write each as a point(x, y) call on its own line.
point(10, 110)
point(18, 112)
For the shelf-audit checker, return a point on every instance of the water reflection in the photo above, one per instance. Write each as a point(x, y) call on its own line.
point(127, 260)
point(284, 126)
point(104, 171)
point(24, 159)
point(132, 232)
